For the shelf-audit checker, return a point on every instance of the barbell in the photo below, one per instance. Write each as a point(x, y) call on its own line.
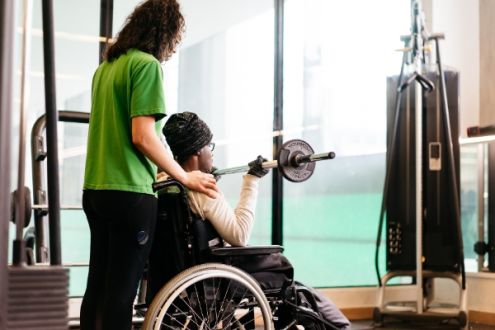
point(295, 160)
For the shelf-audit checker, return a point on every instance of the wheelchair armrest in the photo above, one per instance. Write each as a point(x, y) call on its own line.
point(233, 251)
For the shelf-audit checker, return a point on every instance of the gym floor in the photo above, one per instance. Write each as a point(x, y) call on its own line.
point(368, 325)
point(403, 325)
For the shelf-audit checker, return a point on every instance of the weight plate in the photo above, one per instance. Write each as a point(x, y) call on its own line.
point(27, 206)
point(286, 166)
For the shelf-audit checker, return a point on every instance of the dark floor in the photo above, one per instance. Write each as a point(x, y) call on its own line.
point(404, 325)
point(368, 325)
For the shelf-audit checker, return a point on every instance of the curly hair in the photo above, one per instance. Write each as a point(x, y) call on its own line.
point(154, 27)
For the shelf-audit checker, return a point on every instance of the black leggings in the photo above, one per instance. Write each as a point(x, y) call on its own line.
point(122, 226)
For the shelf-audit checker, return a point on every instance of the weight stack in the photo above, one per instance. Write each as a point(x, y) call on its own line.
point(37, 298)
point(441, 246)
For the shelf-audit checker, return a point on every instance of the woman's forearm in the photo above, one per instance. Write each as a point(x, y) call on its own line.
point(147, 142)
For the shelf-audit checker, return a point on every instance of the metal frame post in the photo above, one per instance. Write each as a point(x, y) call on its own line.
point(106, 24)
point(419, 190)
point(20, 205)
point(51, 134)
point(417, 52)
point(38, 155)
point(278, 124)
point(481, 202)
point(451, 154)
point(491, 206)
point(7, 15)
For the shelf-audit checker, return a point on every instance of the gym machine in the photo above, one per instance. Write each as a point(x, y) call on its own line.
point(37, 294)
point(421, 191)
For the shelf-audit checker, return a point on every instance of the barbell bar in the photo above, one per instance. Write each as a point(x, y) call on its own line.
point(295, 160)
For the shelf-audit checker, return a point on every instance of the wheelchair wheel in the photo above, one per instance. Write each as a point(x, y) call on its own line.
point(210, 296)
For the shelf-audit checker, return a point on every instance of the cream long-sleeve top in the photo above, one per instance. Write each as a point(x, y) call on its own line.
point(233, 225)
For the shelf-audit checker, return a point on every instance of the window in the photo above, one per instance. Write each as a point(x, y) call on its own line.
point(227, 78)
point(337, 58)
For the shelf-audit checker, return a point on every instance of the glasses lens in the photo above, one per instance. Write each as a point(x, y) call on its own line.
point(212, 146)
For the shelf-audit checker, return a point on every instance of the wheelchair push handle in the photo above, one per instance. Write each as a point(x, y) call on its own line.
point(295, 160)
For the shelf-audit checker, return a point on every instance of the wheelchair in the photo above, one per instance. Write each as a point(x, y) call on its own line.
point(195, 282)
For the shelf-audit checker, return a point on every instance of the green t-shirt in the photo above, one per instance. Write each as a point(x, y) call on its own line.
point(129, 86)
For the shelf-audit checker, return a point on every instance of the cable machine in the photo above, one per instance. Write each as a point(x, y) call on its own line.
point(421, 192)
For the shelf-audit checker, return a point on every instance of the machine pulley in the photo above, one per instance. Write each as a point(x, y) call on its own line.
point(295, 160)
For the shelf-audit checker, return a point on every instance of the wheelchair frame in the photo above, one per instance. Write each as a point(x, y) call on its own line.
point(211, 312)
point(196, 274)
point(179, 304)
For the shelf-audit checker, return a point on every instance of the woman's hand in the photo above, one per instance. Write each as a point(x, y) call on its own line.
point(161, 176)
point(202, 182)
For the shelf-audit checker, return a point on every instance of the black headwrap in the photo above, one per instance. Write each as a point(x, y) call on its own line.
point(186, 133)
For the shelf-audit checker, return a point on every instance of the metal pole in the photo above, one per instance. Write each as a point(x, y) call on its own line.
point(51, 133)
point(106, 22)
point(19, 245)
point(491, 206)
point(419, 194)
point(417, 60)
point(481, 201)
point(7, 14)
point(38, 155)
point(452, 166)
point(278, 124)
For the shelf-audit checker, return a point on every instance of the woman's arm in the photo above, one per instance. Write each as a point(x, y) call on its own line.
point(147, 142)
point(233, 225)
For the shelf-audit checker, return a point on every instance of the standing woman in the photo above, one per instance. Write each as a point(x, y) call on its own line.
point(123, 154)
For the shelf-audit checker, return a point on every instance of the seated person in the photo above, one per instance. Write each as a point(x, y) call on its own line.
point(190, 141)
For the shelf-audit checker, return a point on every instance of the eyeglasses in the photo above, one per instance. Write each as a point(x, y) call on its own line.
point(211, 146)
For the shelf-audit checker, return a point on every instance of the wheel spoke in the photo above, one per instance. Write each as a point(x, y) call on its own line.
point(223, 308)
point(210, 297)
point(217, 291)
point(199, 300)
point(231, 318)
point(183, 325)
point(191, 311)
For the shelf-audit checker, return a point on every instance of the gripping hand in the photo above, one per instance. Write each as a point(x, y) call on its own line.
point(256, 169)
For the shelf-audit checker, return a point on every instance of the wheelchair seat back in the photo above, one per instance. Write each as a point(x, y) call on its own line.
point(181, 239)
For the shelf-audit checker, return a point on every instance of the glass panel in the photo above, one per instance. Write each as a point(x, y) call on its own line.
point(76, 50)
point(337, 58)
point(75, 230)
point(76, 42)
point(470, 185)
point(220, 73)
point(225, 74)
point(75, 248)
point(223, 71)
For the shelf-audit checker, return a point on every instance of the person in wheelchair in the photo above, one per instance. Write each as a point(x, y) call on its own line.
point(190, 141)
